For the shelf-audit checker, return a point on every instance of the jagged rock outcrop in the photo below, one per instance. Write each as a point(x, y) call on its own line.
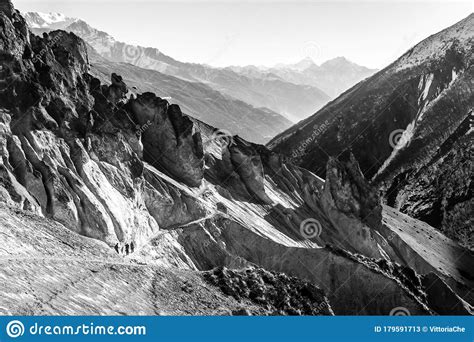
point(169, 140)
point(238, 167)
point(117, 89)
point(168, 196)
point(6, 7)
point(74, 146)
point(349, 193)
point(408, 126)
point(353, 208)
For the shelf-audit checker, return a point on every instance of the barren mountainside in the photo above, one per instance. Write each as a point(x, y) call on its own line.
point(293, 100)
point(115, 202)
point(410, 128)
point(258, 125)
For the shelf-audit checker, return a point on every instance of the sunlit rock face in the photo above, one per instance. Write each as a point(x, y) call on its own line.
point(105, 190)
point(169, 140)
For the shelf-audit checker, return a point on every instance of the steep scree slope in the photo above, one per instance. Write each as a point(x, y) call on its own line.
point(82, 160)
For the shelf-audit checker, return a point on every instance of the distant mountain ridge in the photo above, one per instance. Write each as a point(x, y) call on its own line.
point(333, 76)
point(294, 101)
point(50, 21)
point(198, 100)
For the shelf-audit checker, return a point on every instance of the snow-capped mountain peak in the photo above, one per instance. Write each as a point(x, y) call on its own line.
point(303, 64)
point(299, 66)
point(50, 20)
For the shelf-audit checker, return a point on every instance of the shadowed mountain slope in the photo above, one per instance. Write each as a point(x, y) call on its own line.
point(409, 126)
point(295, 101)
point(181, 220)
point(196, 99)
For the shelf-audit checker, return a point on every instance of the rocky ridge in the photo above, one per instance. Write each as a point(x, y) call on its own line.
point(83, 160)
point(408, 126)
point(292, 100)
point(198, 100)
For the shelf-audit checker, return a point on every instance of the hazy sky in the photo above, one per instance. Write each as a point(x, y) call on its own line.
point(230, 32)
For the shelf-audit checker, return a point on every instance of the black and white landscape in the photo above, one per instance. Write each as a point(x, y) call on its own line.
point(135, 184)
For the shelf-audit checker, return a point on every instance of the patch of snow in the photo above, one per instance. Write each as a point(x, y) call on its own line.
point(404, 140)
point(407, 135)
point(428, 80)
point(420, 84)
point(424, 87)
point(454, 76)
point(471, 123)
point(426, 90)
point(51, 18)
point(40, 20)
